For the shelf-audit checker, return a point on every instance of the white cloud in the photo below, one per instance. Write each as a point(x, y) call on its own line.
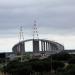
point(6, 44)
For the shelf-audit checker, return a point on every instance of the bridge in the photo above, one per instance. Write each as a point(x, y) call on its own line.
point(47, 47)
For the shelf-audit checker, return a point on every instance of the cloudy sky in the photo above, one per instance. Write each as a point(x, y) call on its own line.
point(55, 21)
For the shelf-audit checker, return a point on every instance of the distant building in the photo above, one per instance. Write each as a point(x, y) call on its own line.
point(7, 55)
point(71, 51)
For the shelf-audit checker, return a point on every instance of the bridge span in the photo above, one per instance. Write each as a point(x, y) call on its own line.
point(47, 46)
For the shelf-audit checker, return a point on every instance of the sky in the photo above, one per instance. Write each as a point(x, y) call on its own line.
point(55, 21)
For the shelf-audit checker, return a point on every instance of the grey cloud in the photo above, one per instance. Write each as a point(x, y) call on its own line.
point(53, 15)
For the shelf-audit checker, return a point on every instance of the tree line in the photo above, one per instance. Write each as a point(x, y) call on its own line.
point(57, 64)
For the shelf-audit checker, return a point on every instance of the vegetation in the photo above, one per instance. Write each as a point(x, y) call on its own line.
point(58, 64)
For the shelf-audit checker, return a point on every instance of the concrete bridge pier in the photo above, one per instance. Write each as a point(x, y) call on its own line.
point(21, 48)
point(43, 47)
point(35, 46)
point(49, 46)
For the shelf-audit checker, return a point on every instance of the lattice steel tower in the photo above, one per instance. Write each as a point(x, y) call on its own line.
point(35, 31)
point(35, 39)
point(21, 36)
point(21, 46)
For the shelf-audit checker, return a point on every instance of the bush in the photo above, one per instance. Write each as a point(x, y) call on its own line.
point(72, 61)
point(61, 56)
